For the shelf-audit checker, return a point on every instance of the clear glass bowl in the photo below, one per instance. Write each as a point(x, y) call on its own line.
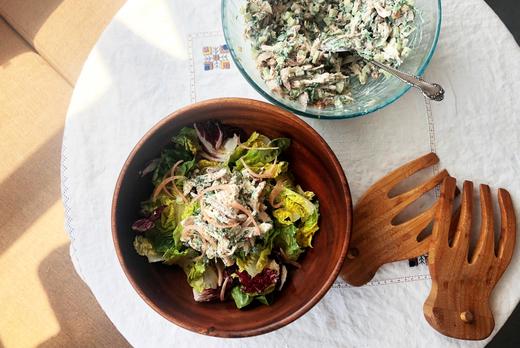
point(368, 98)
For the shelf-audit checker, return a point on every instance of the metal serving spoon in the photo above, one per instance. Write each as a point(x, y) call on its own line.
point(433, 91)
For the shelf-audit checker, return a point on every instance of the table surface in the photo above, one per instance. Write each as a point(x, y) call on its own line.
point(115, 77)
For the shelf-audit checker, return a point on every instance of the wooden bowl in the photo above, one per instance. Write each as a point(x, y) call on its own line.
point(316, 168)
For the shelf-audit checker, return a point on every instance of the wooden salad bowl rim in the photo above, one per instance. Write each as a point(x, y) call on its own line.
point(221, 104)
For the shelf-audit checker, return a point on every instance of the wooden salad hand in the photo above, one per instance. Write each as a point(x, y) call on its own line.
point(458, 304)
point(375, 239)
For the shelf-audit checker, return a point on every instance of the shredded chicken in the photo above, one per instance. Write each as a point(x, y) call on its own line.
point(293, 40)
point(230, 214)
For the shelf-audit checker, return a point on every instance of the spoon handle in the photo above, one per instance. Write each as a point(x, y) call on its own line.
point(433, 91)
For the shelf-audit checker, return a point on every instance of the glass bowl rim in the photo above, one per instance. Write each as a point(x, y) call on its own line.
point(376, 107)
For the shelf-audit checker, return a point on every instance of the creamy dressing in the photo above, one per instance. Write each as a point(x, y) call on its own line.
point(232, 213)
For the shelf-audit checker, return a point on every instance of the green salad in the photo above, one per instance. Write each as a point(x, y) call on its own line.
point(226, 209)
point(292, 40)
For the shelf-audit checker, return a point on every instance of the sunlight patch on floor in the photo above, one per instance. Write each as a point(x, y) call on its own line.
point(27, 317)
point(22, 139)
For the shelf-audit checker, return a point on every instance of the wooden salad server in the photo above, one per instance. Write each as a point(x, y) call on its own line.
point(458, 304)
point(375, 240)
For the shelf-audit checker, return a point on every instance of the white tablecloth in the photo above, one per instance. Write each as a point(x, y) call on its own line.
point(151, 61)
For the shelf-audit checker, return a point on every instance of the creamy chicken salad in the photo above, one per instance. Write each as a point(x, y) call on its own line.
point(228, 212)
point(292, 41)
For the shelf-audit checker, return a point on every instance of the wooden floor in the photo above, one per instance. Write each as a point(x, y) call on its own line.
point(43, 302)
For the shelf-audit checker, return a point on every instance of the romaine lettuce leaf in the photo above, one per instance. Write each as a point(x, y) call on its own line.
point(273, 169)
point(165, 237)
point(177, 233)
point(187, 210)
point(204, 163)
point(185, 167)
point(298, 210)
point(169, 156)
point(166, 227)
point(268, 238)
point(241, 298)
point(259, 153)
point(286, 239)
point(160, 241)
point(144, 247)
point(281, 143)
point(294, 207)
point(310, 226)
point(276, 169)
point(190, 209)
point(183, 147)
point(307, 194)
point(148, 206)
point(169, 218)
point(262, 299)
point(195, 273)
point(187, 139)
point(174, 212)
point(254, 262)
point(201, 275)
point(286, 216)
point(264, 154)
point(252, 141)
point(174, 256)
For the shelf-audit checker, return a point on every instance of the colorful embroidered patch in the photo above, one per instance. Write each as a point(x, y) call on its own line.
point(421, 260)
point(216, 57)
